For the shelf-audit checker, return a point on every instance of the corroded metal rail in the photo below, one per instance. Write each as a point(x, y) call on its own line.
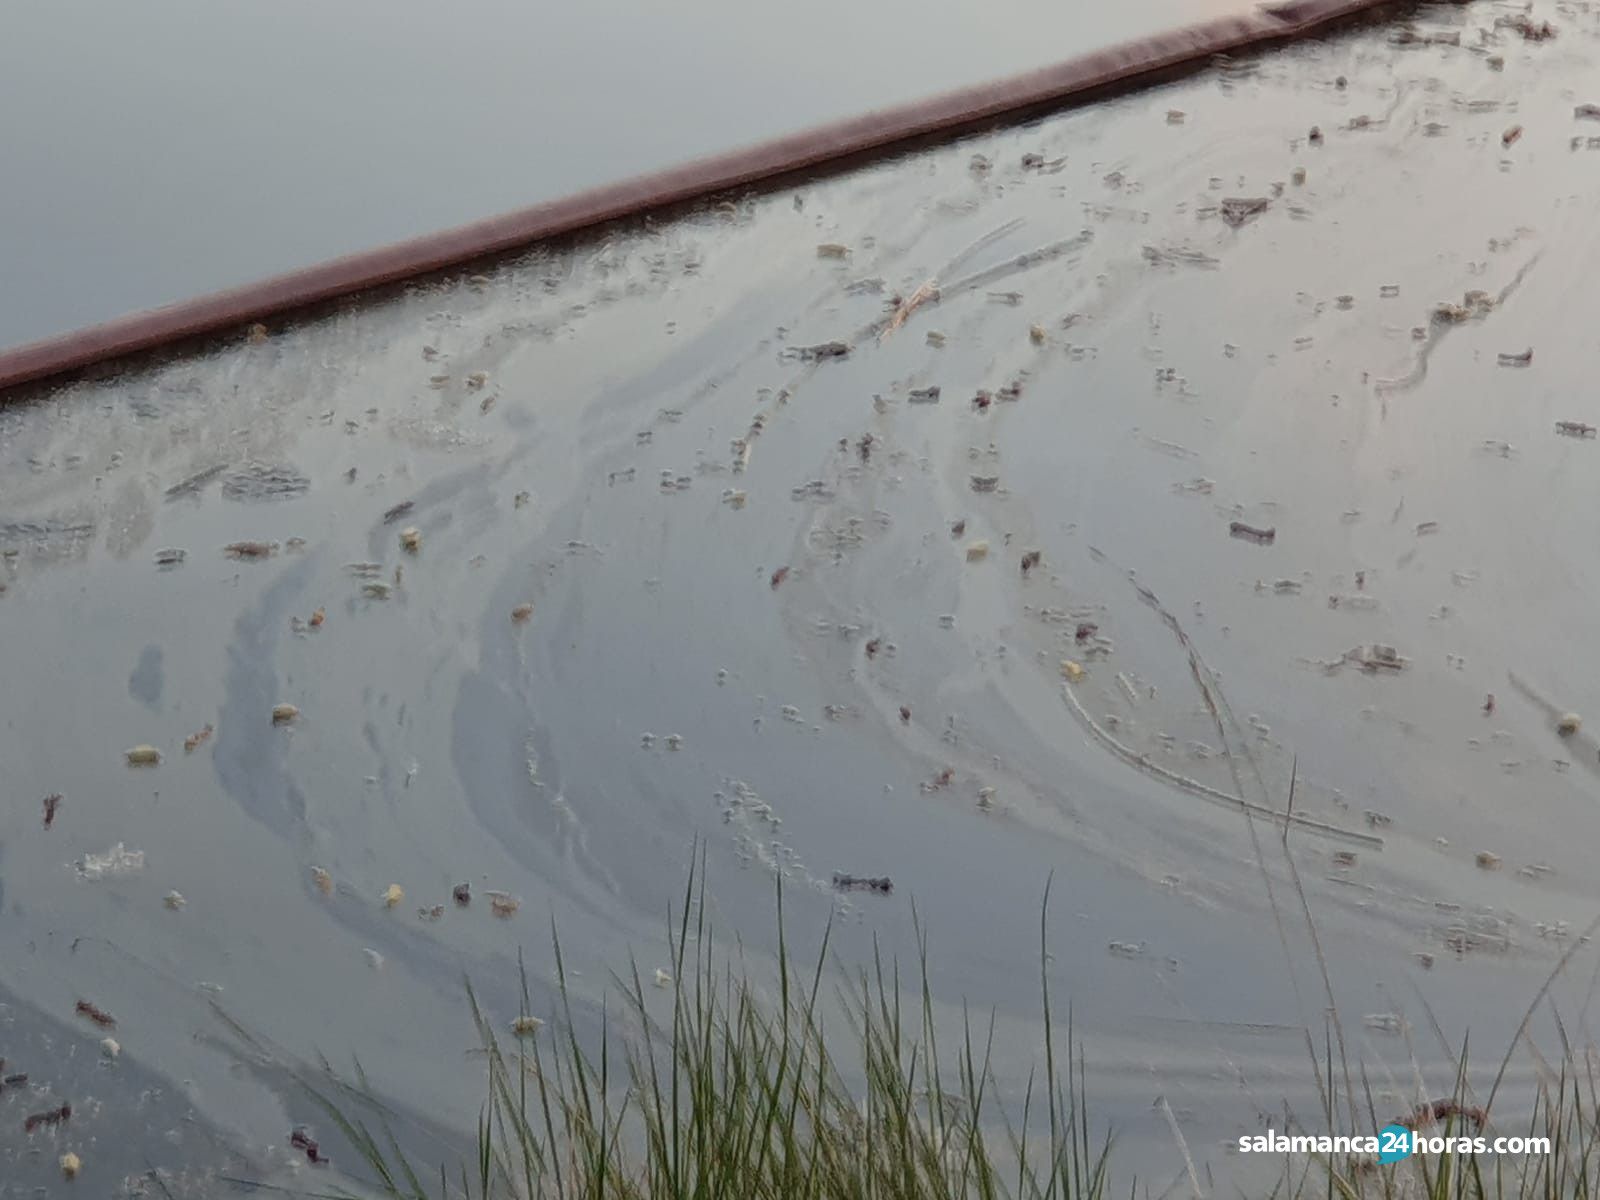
point(820, 150)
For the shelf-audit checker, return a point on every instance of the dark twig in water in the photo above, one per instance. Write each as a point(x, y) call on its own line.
point(1251, 533)
point(882, 884)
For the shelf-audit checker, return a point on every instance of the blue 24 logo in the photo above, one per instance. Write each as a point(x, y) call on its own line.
point(1394, 1143)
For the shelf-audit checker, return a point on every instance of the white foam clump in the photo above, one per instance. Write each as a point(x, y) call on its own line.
point(118, 860)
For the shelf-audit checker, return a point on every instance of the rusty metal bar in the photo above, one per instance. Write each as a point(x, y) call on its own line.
point(815, 151)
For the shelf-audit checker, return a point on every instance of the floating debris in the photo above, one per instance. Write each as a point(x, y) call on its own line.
point(283, 714)
point(833, 250)
point(526, 1026)
point(977, 551)
point(881, 884)
point(374, 959)
point(392, 895)
point(411, 539)
point(1375, 657)
point(985, 483)
point(927, 395)
point(1569, 724)
point(317, 618)
point(1252, 533)
point(1524, 24)
point(71, 1164)
point(462, 894)
point(1344, 858)
point(821, 351)
point(436, 913)
point(477, 379)
point(195, 482)
point(905, 714)
point(503, 904)
point(1071, 671)
point(300, 1138)
point(1488, 861)
point(171, 557)
point(96, 1014)
point(118, 860)
point(143, 756)
point(1575, 429)
point(260, 481)
point(1521, 359)
point(110, 1048)
point(1126, 949)
point(1236, 210)
point(50, 1117)
point(250, 549)
point(662, 979)
point(1475, 303)
point(51, 803)
point(174, 901)
point(958, 528)
point(1298, 176)
point(1384, 1022)
point(323, 880)
point(198, 738)
point(376, 589)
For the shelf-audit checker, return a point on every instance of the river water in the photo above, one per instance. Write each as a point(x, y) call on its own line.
point(152, 154)
point(781, 610)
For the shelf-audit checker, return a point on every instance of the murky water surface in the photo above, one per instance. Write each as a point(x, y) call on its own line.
point(158, 152)
point(974, 602)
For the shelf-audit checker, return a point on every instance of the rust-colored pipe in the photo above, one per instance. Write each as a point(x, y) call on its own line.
point(825, 147)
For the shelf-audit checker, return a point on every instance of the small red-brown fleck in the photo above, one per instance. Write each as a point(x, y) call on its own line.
point(872, 647)
point(98, 1015)
point(779, 576)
